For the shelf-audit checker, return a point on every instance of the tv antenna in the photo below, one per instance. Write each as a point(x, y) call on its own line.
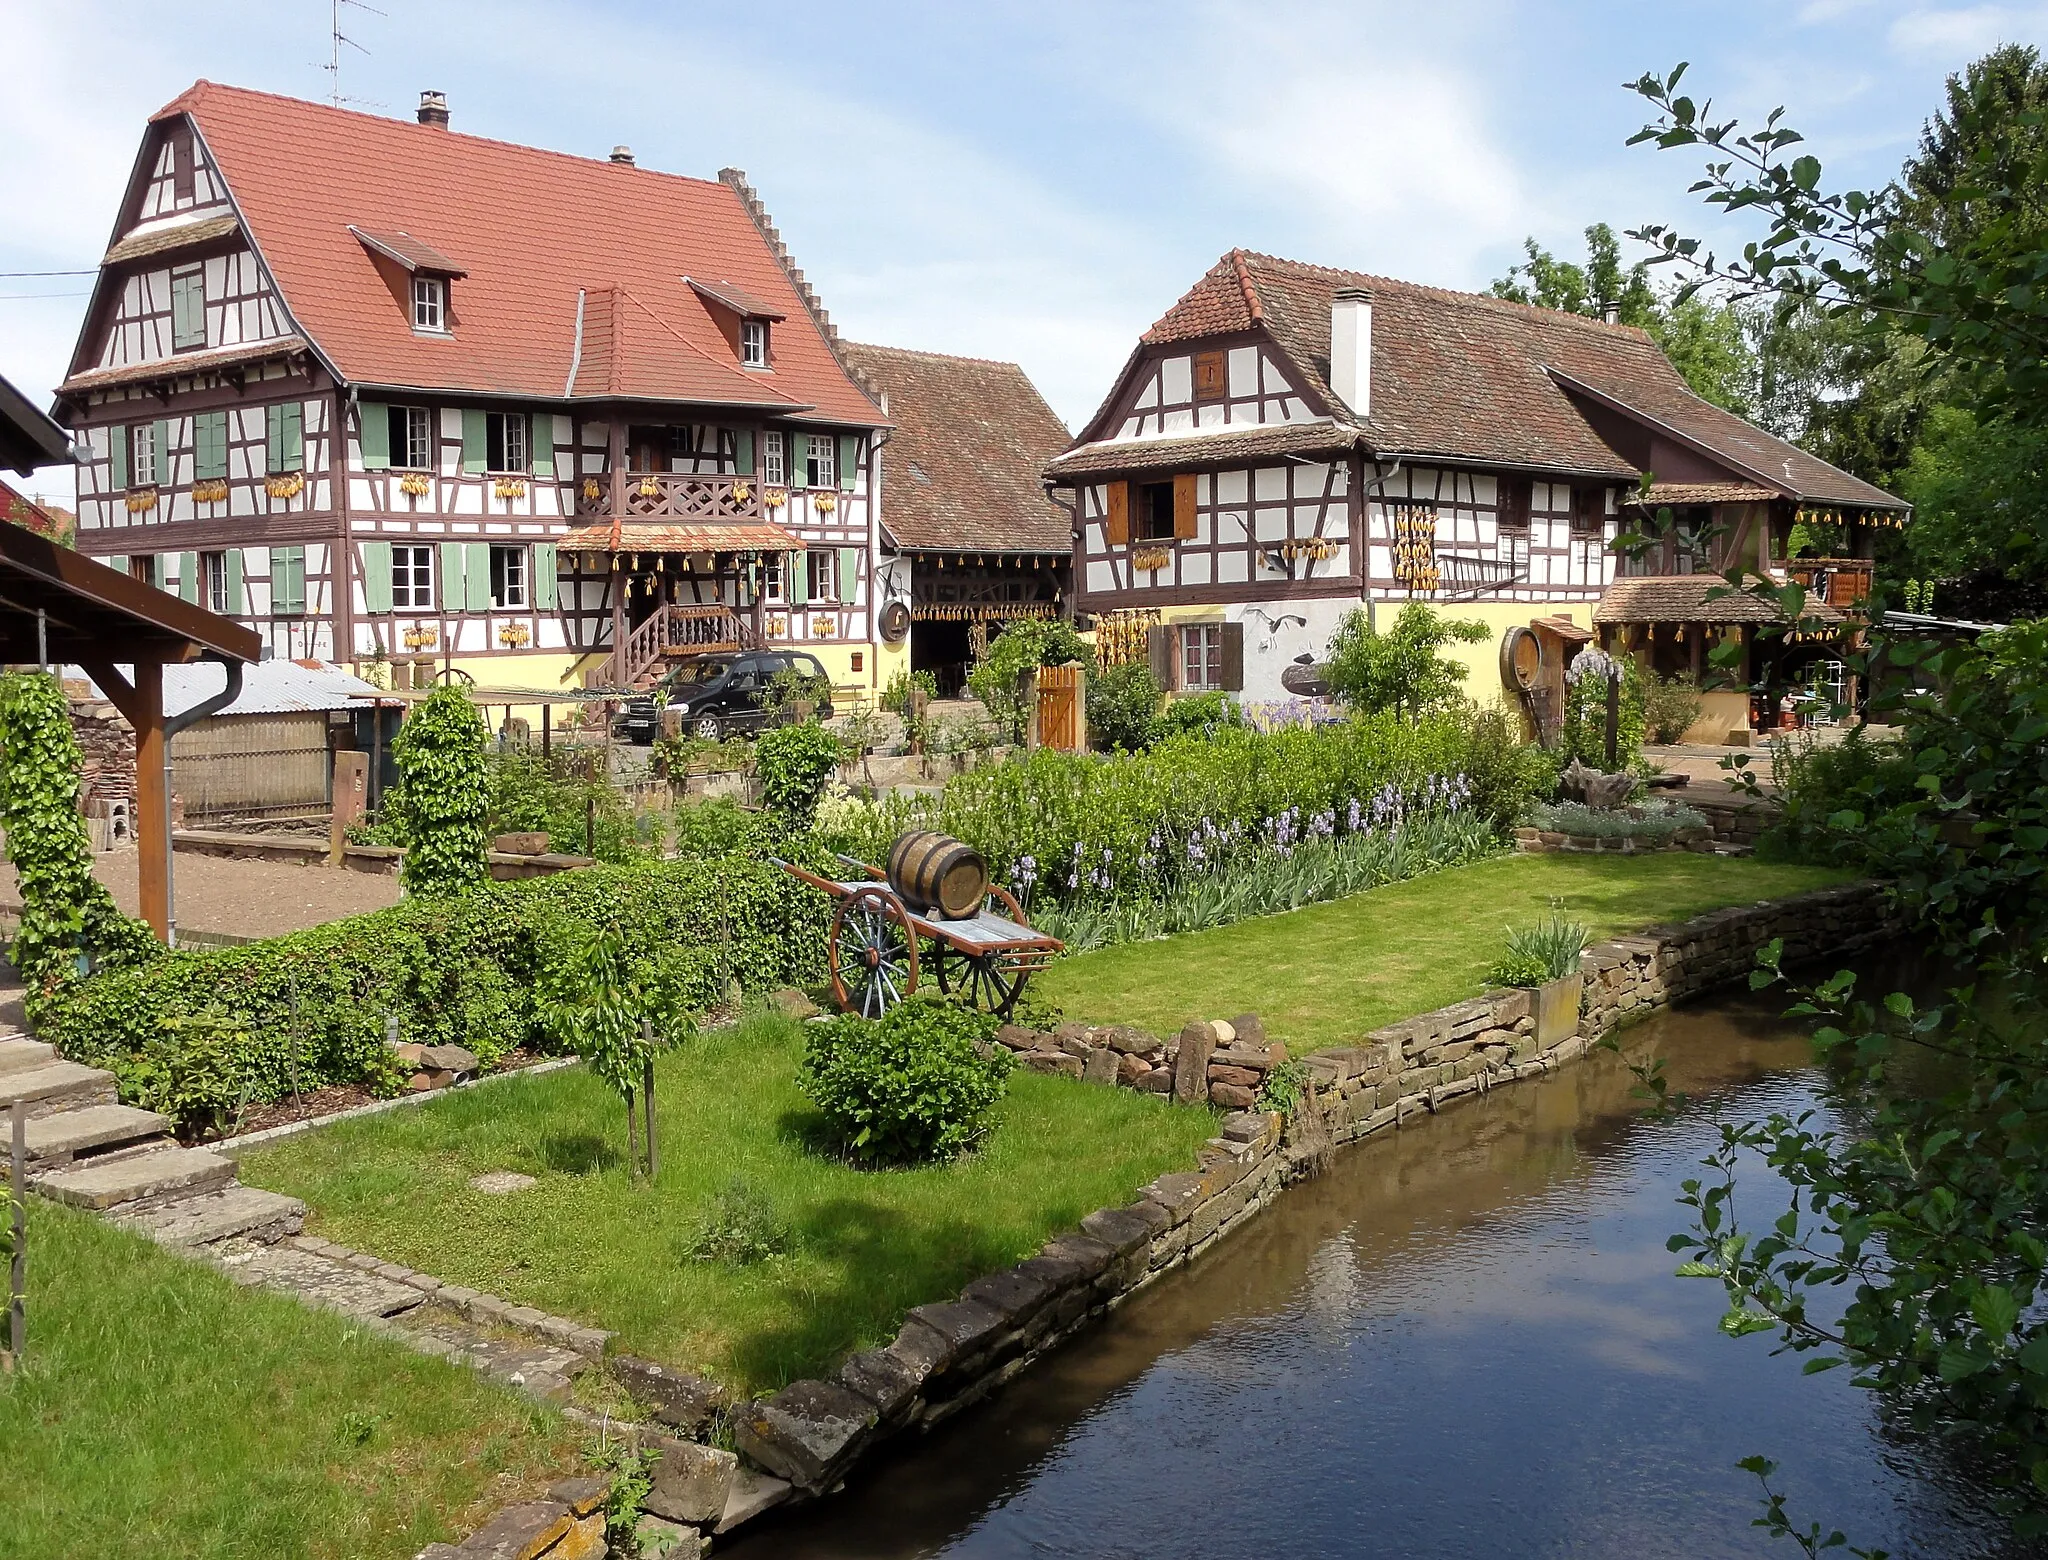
point(336, 38)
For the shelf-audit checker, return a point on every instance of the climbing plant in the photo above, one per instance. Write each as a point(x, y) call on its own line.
point(794, 762)
point(66, 913)
point(444, 794)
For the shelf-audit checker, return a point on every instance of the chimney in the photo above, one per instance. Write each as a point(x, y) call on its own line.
point(434, 109)
point(1610, 311)
point(623, 156)
point(1351, 348)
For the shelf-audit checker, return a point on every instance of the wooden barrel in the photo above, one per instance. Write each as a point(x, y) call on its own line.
point(935, 872)
point(1521, 658)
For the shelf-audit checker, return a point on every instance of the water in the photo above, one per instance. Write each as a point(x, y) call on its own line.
point(1464, 1340)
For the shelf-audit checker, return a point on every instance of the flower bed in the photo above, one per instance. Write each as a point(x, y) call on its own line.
point(1656, 825)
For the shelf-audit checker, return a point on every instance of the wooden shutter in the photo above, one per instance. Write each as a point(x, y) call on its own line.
point(541, 438)
point(1233, 657)
point(1512, 511)
point(849, 573)
point(1116, 525)
point(451, 594)
point(117, 459)
point(743, 452)
point(1184, 507)
point(285, 430)
point(799, 582)
point(545, 592)
point(799, 455)
point(849, 460)
point(209, 446)
point(163, 454)
point(232, 561)
point(376, 436)
point(377, 576)
point(188, 310)
point(1160, 644)
point(476, 566)
point(476, 441)
point(118, 562)
point(188, 577)
point(287, 580)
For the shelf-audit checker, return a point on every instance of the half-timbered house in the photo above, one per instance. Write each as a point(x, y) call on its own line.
point(1289, 442)
point(970, 541)
point(394, 394)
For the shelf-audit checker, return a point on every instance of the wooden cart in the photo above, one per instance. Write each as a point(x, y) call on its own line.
point(873, 947)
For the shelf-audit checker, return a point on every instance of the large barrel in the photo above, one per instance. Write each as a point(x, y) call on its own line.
point(935, 872)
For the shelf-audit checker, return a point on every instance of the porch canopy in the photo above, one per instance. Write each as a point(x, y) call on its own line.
point(57, 606)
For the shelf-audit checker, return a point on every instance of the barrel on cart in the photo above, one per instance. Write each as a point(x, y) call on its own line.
point(938, 873)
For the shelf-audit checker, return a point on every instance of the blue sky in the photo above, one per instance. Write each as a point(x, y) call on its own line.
point(1029, 181)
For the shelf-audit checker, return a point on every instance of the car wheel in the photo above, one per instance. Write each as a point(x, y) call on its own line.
point(706, 728)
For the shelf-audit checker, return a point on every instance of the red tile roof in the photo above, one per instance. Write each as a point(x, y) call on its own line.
point(409, 252)
point(963, 462)
point(534, 228)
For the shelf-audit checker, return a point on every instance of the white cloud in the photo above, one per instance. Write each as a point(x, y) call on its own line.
point(1959, 35)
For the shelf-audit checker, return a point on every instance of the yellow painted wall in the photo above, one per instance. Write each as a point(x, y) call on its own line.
point(1482, 660)
point(1722, 710)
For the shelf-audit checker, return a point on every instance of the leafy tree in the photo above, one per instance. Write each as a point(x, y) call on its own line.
point(444, 795)
point(794, 762)
point(1979, 488)
point(1122, 701)
point(1399, 670)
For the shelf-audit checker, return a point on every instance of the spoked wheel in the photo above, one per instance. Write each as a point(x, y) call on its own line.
point(873, 952)
point(983, 982)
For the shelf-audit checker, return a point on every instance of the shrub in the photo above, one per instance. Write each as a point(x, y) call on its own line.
point(1398, 670)
point(1121, 703)
point(794, 762)
point(1657, 820)
point(566, 796)
point(740, 1226)
point(1025, 643)
point(1502, 771)
point(1670, 706)
point(1584, 732)
point(1827, 789)
point(1202, 714)
point(915, 1085)
point(1534, 955)
point(443, 795)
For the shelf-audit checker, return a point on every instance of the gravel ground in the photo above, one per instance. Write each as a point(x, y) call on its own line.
point(243, 898)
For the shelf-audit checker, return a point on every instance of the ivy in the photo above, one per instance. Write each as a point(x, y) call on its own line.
point(67, 916)
point(793, 763)
point(444, 795)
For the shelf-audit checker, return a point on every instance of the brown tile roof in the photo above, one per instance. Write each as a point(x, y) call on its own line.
point(409, 252)
point(1682, 598)
point(963, 465)
point(183, 363)
point(607, 536)
point(533, 228)
point(1270, 441)
point(737, 299)
point(1704, 493)
point(163, 240)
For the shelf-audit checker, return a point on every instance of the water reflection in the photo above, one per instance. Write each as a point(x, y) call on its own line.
point(1463, 1341)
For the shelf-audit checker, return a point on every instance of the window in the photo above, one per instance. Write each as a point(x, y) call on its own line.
point(1155, 512)
point(818, 463)
point(143, 456)
point(508, 577)
point(213, 574)
point(412, 438)
point(821, 566)
point(1209, 376)
point(430, 303)
point(143, 567)
point(1201, 657)
point(771, 578)
point(1513, 548)
point(412, 577)
point(754, 343)
point(505, 441)
point(1589, 505)
point(774, 459)
point(1689, 542)
point(182, 182)
point(188, 309)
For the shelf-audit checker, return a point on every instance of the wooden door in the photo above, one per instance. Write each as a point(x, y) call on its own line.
point(1059, 707)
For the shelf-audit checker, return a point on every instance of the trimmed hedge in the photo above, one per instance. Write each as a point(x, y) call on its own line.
point(467, 969)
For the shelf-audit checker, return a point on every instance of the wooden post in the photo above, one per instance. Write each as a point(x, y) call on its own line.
point(152, 798)
point(547, 731)
point(1613, 720)
point(17, 1276)
point(632, 1139)
point(351, 796)
point(647, 1092)
point(376, 791)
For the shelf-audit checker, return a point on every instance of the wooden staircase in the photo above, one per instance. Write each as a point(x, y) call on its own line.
point(669, 633)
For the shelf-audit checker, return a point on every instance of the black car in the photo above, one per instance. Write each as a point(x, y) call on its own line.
point(715, 696)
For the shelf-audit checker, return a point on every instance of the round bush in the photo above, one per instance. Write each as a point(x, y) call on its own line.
point(916, 1084)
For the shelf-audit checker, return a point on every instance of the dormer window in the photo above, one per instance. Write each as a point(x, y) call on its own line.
point(742, 318)
point(430, 303)
point(754, 343)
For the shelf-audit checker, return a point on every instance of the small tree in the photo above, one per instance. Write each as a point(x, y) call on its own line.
point(1024, 646)
point(1122, 701)
point(1399, 670)
point(794, 762)
point(443, 797)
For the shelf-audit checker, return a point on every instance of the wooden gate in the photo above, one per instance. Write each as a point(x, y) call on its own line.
point(1059, 708)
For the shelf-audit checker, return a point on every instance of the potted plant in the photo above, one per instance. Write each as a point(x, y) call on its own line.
point(1544, 960)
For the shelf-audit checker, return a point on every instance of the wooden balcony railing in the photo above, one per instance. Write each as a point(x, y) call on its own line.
point(1840, 582)
point(667, 495)
point(672, 631)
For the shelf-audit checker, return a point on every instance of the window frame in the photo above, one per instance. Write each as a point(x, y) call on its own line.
point(829, 593)
point(775, 458)
point(511, 577)
point(821, 461)
point(1201, 657)
point(143, 436)
point(412, 578)
point(403, 420)
point(1147, 528)
point(498, 429)
point(773, 580)
point(213, 581)
point(429, 304)
point(753, 343)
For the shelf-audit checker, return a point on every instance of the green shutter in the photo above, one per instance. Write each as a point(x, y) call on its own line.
point(743, 452)
point(476, 563)
point(209, 446)
point(798, 568)
point(476, 441)
point(188, 577)
point(450, 594)
point(849, 573)
point(234, 562)
point(287, 580)
point(163, 454)
point(117, 459)
point(377, 576)
point(544, 566)
point(284, 428)
point(118, 562)
point(849, 459)
point(296, 564)
point(541, 436)
point(799, 453)
point(376, 439)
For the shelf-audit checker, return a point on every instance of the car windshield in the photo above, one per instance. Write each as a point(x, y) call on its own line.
point(695, 674)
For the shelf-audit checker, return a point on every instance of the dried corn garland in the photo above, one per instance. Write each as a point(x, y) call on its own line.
point(1415, 563)
point(1121, 637)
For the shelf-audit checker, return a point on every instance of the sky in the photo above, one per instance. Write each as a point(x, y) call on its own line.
point(1035, 182)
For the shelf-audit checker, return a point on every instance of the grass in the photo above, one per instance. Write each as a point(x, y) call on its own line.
point(1327, 974)
point(161, 1410)
point(863, 1246)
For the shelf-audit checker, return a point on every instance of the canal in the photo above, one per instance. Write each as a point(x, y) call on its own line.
point(1464, 1340)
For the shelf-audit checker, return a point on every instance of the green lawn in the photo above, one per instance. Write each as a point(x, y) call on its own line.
point(585, 1243)
point(163, 1411)
point(1325, 975)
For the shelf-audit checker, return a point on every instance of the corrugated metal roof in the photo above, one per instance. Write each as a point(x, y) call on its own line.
point(268, 687)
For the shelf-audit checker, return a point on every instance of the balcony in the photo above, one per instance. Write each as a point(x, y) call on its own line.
point(1842, 583)
point(667, 495)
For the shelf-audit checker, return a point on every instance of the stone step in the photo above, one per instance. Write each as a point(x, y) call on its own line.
point(315, 1279)
point(57, 1086)
point(244, 1212)
point(158, 1176)
point(18, 1052)
point(59, 1138)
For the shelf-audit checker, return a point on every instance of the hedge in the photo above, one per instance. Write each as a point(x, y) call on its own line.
point(464, 969)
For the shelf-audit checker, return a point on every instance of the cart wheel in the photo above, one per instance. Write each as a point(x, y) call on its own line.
point(873, 953)
point(985, 984)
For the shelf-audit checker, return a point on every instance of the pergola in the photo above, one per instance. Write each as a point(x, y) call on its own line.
point(57, 606)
